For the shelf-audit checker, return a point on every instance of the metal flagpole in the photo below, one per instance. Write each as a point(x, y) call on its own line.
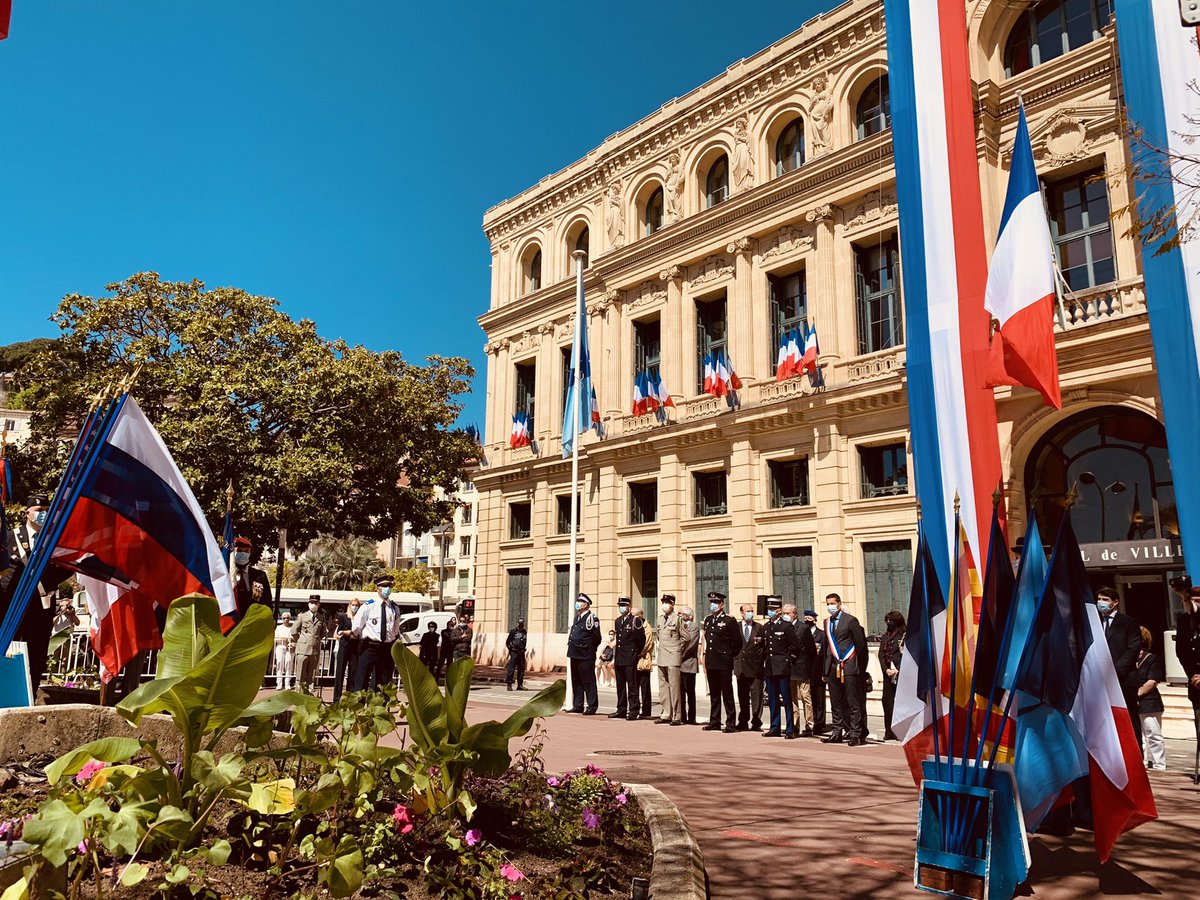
point(577, 377)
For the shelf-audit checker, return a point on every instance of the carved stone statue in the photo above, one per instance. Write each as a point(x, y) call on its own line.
point(742, 164)
point(614, 220)
point(821, 116)
point(673, 192)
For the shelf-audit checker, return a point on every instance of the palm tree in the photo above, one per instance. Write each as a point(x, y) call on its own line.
point(338, 564)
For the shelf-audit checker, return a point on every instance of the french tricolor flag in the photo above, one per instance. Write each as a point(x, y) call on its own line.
point(641, 394)
point(720, 379)
point(788, 364)
point(1020, 288)
point(138, 539)
point(520, 436)
point(812, 352)
point(659, 393)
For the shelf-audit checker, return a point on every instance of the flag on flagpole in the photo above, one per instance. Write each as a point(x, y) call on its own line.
point(788, 364)
point(137, 539)
point(720, 380)
point(812, 352)
point(1069, 668)
point(643, 397)
point(581, 393)
point(952, 410)
point(917, 712)
point(5, 481)
point(1020, 288)
point(1160, 67)
point(659, 393)
point(965, 599)
point(521, 432)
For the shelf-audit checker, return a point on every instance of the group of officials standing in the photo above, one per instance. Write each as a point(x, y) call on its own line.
point(795, 658)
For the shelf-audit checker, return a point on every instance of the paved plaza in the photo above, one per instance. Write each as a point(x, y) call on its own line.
point(798, 819)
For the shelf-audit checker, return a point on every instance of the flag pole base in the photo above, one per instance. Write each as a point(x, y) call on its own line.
point(970, 840)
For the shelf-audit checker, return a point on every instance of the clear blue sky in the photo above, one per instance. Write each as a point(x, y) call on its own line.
point(338, 156)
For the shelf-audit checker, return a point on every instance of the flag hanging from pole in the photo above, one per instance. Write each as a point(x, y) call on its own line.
point(581, 394)
point(1020, 287)
point(521, 436)
point(659, 393)
point(789, 361)
point(952, 410)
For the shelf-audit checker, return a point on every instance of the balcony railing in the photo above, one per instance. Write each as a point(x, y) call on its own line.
point(1102, 303)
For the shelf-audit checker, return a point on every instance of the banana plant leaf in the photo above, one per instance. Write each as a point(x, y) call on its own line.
point(192, 632)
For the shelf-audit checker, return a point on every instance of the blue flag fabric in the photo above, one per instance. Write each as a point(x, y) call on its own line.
point(581, 396)
point(926, 603)
point(227, 536)
point(998, 589)
point(1030, 578)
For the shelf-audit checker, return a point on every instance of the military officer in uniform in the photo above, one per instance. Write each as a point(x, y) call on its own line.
point(845, 665)
point(631, 638)
point(377, 625)
point(722, 642)
point(582, 642)
point(307, 633)
point(671, 637)
point(38, 620)
point(783, 651)
point(250, 584)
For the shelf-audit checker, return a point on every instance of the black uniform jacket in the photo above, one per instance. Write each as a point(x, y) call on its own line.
point(722, 641)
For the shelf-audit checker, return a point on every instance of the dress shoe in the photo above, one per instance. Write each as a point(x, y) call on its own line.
point(589, 712)
point(632, 718)
point(573, 710)
point(856, 742)
point(807, 732)
point(617, 715)
point(834, 738)
point(770, 734)
point(676, 723)
point(789, 737)
point(510, 687)
point(521, 687)
point(756, 726)
point(711, 727)
point(729, 729)
point(742, 727)
point(663, 722)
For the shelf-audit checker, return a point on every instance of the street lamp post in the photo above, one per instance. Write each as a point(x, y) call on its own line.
point(1117, 487)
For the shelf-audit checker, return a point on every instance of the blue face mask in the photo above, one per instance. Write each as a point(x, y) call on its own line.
point(1105, 607)
point(832, 609)
point(787, 618)
point(39, 518)
point(241, 559)
point(578, 604)
point(771, 613)
point(748, 616)
point(713, 607)
point(385, 592)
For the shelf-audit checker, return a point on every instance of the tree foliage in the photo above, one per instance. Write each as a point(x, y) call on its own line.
point(339, 564)
point(318, 436)
point(414, 580)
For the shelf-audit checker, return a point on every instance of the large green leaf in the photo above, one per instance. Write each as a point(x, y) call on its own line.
point(193, 630)
point(489, 740)
point(426, 705)
point(542, 705)
point(279, 702)
point(109, 750)
point(55, 830)
point(458, 691)
point(156, 696)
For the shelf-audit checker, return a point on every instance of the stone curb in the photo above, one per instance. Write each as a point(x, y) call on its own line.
point(677, 872)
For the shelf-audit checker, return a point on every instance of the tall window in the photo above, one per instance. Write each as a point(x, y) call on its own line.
point(1052, 28)
point(711, 333)
point(526, 389)
point(887, 566)
point(710, 493)
point(582, 243)
point(712, 574)
point(789, 308)
point(464, 546)
point(652, 216)
point(789, 149)
point(716, 185)
point(792, 575)
point(645, 581)
point(464, 581)
point(789, 482)
point(880, 319)
point(520, 520)
point(468, 513)
point(564, 513)
point(884, 470)
point(643, 502)
point(533, 272)
point(874, 112)
point(1080, 226)
point(647, 346)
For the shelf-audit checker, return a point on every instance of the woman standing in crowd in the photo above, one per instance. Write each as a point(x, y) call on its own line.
point(891, 648)
point(645, 665)
point(605, 673)
point(690, 667)
point(1150, 671)
point(285, 650)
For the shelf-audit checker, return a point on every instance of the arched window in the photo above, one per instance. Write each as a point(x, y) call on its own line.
point(653, 217)
point(789, 149)
point(716, 185)
point(533, 272)
point(1052, 28)
point(874, 112)
point(582, 242)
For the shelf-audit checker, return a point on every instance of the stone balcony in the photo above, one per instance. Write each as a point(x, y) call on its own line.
point(1104, 303)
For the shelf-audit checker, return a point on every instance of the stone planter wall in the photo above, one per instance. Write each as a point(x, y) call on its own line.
point(677, 872)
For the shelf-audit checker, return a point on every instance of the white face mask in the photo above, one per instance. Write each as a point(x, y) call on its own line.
point(787, 618)
point(314, 607)
point(832, 609)
point(579, 604)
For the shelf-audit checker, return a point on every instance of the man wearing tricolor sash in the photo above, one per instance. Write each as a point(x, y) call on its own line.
point(845, 668)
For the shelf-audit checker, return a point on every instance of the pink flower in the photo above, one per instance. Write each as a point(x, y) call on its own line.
point(622, 799)
point(85, 774)
point(83, 847)
point(473, 837)
point(511, 872)
point(402, 816)
point(553, 782)
point(593, 770)
point(590, 820)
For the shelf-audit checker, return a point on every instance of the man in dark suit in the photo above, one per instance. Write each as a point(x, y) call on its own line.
point(347, 650)
point(748, 669)
point(1124, 637)
point(1187, 640)
point(805, 677)
point(449, 636)
point(250, 584)
point(845, 668)
point(817, 672)
point(631, 639)
point(722, 642)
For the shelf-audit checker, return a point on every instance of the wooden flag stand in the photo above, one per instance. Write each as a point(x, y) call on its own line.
point(970, 839)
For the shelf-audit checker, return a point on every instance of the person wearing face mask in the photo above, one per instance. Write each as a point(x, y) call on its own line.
point(722, 642)
point(891, 654)
point(816, 669)
point(250, 584)
point(628, 648)
point(516, 644)
point(38, 620)
point(347, 650)
point(802, 673)
point(284, 657)
point(845, 665)
point(1124, 637)
point(669, 662)
point(429, 648)
point(449, 633)
point(782, 651)
point(689, 667)
point(377, 625)
point(748, 669)
point(307, 633)
point(582, 643)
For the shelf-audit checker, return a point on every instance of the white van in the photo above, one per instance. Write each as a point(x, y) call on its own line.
point(413, 626)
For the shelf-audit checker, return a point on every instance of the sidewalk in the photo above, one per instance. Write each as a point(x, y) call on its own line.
point(787, 819)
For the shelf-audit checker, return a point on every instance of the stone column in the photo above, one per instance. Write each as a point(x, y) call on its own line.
point(742, 491)
point(739, 310)
point(831, 290)
point(677, 370)
point(672, 509)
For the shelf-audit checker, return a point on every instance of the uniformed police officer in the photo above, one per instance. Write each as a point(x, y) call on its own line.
point(582, 642)
point(377, 625)
point(631, 638)
point(722, 642)
point(783, 651)
point(38, 620)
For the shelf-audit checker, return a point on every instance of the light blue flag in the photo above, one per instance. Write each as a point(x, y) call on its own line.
point(1030, 580)
point(581, 396)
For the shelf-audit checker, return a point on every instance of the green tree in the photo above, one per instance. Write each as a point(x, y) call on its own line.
point(339, 564)
point(414, 580)
point(318, 436)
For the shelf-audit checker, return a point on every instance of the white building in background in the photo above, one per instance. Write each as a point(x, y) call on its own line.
point(448, 549)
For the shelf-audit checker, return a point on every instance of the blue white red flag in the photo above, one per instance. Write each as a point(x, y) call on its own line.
point(720, 379)
point(952, 411)
point(788, 364)
point(1069, 669)
point(581, 410)
point(137, 539)
point(5, 481)
point(659, 393)
point(812, 353)
point(1160, 66)
point(642, 396)
point(1020, 288)
point(520, 436)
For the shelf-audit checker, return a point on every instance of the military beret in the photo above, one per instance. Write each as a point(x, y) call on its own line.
point(316, 597)
point(242, 542)
point(585, 598)
point(774, 603)
point(37, 500)
point(384, 581)
point(716, 595)
point(810, 612)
